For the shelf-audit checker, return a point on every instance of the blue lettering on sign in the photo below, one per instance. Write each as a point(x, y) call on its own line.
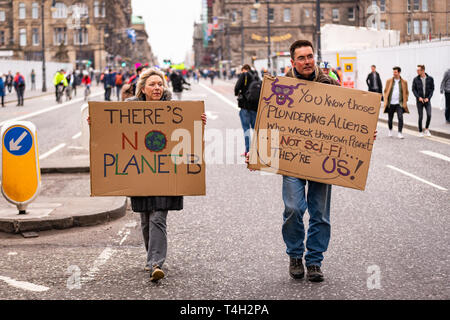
point(18, 141)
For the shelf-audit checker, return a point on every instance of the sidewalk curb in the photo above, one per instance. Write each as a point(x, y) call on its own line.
point(414, 127)
point(30, 98)
point(19, 226)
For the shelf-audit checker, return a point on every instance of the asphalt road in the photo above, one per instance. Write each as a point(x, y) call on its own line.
point(388, 242)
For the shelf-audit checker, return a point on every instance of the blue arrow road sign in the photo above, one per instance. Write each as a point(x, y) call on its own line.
point(18, 141)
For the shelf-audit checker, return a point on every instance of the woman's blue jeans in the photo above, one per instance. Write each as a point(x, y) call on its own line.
point(317, 201)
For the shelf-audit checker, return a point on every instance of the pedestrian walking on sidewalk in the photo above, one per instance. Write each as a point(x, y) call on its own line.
point(445, 89)
point(423, 88)
point(33, 80)
point(153, 210)
point(247, 114)
point(9, 81)
point(19, 86)
point(119, 83)
point(373, 80)
point(2, 91)
point(396, 100)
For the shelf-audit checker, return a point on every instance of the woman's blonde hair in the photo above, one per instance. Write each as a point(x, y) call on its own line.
point(143, 79)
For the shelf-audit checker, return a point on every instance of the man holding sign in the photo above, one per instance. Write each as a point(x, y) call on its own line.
point(301, 145)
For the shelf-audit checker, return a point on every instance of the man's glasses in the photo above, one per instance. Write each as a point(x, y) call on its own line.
point(303, 58)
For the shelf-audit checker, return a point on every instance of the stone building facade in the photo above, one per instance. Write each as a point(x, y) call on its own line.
point(415, 19)
point(240, 32)
point(85, 33)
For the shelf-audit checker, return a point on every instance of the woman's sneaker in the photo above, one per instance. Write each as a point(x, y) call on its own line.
point(157, 274)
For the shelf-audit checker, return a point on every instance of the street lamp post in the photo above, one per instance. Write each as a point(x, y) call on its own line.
point(269, 62)
point(44, 85)
point(44, 81)
point(242, 37)
point(257, 5)
point(319, 50)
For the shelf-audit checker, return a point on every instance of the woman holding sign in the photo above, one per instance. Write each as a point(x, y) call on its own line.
point(152, 86)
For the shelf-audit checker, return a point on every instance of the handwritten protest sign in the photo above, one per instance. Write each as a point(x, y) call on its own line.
point(315, 131)
point(147, 148)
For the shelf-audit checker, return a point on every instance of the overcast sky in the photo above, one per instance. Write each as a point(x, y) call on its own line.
point(170, 25)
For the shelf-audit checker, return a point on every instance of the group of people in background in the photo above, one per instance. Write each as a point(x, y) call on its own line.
point(396, 94)
point(17, 81)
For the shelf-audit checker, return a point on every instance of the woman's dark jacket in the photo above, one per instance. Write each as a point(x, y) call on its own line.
point(156, 203)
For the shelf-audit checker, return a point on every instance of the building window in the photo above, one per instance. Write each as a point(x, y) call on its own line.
point(254, 15)
point(35, 10)
point(351, 13)
point(383, 25)
point(60, 11)
point(335, 13)
point(271, 14)
point(81, 37)
point(416, 26)
point(233, 16)
point(424, 26)
point(96, 9)
point(2, 38)
point(424, 5)
point(408, 5)
point(306, 13)
point(22, 11)
point(60, 36)
point(99, 9)
point(35, 36)
point(2, 15)
point(416, 5)
point(23, 37)
point(322, 14)
point(408, 27)
point(383, 5)
point(287, 15)
point(82, 9)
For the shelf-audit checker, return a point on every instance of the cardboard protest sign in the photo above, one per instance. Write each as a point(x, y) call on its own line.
point(147, 148)
point(315, 131)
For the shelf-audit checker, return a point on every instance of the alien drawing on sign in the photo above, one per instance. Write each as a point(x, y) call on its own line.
point(282, 92)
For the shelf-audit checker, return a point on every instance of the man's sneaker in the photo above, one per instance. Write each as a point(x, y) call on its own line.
point(157, 274)
point(421, 134)
point(400, 136)
point(390, 133)
point(427, 133)
point(296, 269)
point(147, 269)
point(314, 273)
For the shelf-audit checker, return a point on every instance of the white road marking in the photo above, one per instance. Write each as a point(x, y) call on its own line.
point(436, 155)
point(55, 107)
point(127, 233)
point(220, 96)
point(12, 253)
point(100, 261)
point(50, 152)
point(24, 285)
point(416, 177)
point(76, 136)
